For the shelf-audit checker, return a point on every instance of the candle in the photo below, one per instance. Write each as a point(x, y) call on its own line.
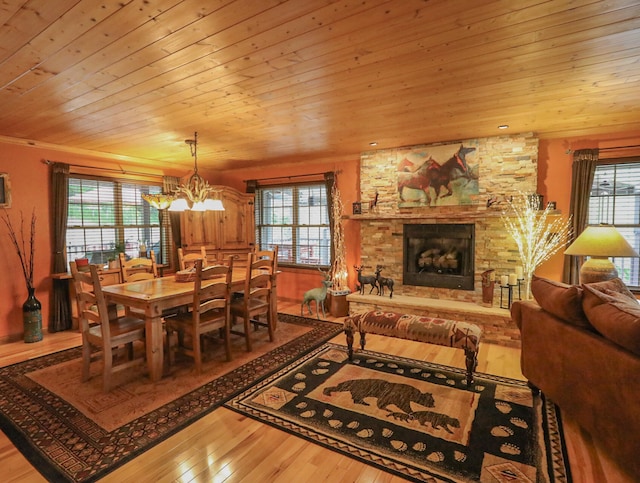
point(519, 273)
point(504, 280)
point(513, 279)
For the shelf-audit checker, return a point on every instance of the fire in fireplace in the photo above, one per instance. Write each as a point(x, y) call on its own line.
point(439, 255)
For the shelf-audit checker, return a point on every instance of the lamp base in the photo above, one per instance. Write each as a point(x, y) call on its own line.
point(597, 269)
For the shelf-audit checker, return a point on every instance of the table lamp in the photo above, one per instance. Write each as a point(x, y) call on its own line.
point(599, 243)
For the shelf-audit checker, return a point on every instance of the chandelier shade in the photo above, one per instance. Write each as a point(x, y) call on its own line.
point(195, 195)
point(160, 201)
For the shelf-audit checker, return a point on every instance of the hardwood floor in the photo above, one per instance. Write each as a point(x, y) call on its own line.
point(225, 446)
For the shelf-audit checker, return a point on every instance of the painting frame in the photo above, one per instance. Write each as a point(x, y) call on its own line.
point(5, 191)
point(442, 174)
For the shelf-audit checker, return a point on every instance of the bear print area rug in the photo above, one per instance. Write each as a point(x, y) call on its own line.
point(414, 419)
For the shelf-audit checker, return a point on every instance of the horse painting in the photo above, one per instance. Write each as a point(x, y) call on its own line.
point(431, 174)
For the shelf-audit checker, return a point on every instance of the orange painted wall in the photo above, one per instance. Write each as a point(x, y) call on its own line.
point(554, 175)
point(30, 189)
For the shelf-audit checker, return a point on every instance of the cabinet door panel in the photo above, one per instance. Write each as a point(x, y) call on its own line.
point(231, 229)
point(236, 230)
point(199, 229)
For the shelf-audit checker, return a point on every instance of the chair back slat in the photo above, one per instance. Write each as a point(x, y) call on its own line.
point(209, 295)
point(259, 288)
point(188, 260)
point(92, 306)
point(138, 268)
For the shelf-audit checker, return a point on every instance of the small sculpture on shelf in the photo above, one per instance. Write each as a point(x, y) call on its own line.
point(365, 280)
point(383, 282)
point(318, 294)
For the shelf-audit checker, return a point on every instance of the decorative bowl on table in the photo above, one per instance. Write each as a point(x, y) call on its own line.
point(185, 276)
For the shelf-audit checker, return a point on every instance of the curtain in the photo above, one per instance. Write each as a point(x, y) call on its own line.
point(60, 317)
point(583, 169)
point(169, 184)
point(330, 180)
point(252, 185)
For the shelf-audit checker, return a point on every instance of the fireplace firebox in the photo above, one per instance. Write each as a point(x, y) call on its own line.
point(439, 255)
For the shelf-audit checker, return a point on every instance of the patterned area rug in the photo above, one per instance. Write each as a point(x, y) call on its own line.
point(55, 426)
point(414, 419)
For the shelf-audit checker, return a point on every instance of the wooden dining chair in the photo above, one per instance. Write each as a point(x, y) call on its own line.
point(88, 287)
point(138, 268)
point(209, 312)
point(255, 302)
point(188, 260)
point(113, 338)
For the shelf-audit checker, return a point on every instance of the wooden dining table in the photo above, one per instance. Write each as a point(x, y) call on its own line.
point(157, 295)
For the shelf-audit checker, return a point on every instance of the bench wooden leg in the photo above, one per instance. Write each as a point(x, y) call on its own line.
point(363, 340)
point(471, 361)
point(349, 334)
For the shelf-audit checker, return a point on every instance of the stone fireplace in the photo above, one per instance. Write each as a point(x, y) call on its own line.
point(505, 165)
point(439, 255)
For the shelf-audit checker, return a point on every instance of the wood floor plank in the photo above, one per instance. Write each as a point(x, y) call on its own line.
point(225, 446)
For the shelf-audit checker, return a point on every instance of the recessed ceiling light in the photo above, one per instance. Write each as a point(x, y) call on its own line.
point(503, 126)
point(373, 143)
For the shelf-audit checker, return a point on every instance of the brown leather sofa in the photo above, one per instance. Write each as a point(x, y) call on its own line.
point(581, 348)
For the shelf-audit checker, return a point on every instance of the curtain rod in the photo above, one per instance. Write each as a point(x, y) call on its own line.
point(621, 147)
point(610, 148)
point(286, 177)
point(121, 171)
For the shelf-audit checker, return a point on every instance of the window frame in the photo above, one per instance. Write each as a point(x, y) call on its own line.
point(608, 214)
point(156, 222)
point(325, 250)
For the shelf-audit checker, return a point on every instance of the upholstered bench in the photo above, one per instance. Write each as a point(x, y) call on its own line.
point(449, 333)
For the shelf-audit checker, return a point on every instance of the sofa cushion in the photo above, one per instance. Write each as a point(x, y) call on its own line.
point(565, 301)
point(560, 299)
point(614, 315)
point(614, 285)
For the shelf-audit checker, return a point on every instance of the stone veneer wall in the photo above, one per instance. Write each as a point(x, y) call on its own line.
point(506, 166)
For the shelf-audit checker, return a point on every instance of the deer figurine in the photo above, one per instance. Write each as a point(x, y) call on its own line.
point(383, 282)
point(318, 294)
point(365, 279)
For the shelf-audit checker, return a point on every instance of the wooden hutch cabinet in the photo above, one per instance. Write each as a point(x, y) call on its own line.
point(222, 233)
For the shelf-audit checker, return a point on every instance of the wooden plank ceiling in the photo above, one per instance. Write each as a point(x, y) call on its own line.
point(266, 81)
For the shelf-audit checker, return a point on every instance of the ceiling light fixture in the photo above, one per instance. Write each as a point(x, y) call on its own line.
point(503, 126)
point(194, 195)
point(160, 201)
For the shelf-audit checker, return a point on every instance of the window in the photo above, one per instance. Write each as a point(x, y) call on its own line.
point(615, 199)
point(106, 216)
point(296, 218)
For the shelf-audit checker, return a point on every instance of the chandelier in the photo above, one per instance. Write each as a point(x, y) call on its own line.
point(193, 195)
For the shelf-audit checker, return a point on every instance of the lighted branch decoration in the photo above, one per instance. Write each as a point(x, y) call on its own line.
point(339, 274)
point(537, 236)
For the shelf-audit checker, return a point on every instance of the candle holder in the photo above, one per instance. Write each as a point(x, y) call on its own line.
point(520, 283)
point(509, 290)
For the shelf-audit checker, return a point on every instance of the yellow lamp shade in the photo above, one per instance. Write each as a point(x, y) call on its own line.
point(599, 243)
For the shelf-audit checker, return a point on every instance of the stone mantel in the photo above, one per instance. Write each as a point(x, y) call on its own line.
point(433, 214)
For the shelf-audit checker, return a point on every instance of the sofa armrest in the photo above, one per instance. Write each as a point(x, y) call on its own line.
point(593, 380)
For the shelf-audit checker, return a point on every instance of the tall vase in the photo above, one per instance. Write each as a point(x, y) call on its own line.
point(32, 317)
point(488, 284)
